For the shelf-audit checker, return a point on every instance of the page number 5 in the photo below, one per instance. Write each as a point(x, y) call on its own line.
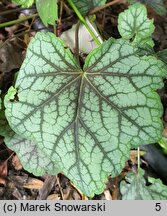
point(158, 206)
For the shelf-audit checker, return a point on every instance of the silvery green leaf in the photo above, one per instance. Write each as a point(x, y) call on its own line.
point(134, 24)
point(86, 119)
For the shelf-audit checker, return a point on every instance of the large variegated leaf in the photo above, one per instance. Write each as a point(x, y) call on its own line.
point(85, 6)
point(134, 188)
point(86, 120)
point(133, 23)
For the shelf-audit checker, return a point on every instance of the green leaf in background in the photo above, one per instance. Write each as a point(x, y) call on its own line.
point(48, 11)
point(157, 5)
point(23, 3)
point(134, 188)
point(32, 158)
point(133, 23)
point(86, 121)
point(85, 6)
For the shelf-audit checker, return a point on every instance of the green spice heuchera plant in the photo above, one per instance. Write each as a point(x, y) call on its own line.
point(84, 121)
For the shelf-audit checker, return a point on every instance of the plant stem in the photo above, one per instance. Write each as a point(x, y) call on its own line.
point(77, 42)
point(84, 22)
point(95, 10)
point(20, 20)
point(11, 11)
point(98, 36)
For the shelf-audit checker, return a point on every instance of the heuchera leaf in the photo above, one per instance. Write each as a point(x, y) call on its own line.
point(134, 188)
point(85, 6)
point(24, 3)
point(48, 11)
point(86, 121)
point(134, 24)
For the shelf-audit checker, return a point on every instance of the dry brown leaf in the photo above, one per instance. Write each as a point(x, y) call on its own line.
point(67, 194)
point(54, 197)
point(76, 195)
point(84, 197)
point(49, 183)
point(34, 184)
point(16, 163)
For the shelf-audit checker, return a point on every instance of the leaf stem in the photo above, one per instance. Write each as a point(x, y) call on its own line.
point(84, 22)
point(12, 11)
point(20, 20)
point(77, 42)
